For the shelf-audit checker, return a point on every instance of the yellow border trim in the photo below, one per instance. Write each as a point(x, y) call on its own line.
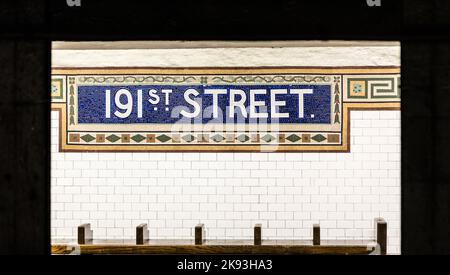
point(208, 71)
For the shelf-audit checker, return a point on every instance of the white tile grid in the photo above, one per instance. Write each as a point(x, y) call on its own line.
point(230, 192)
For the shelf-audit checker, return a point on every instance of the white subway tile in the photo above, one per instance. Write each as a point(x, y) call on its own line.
point(232, 191)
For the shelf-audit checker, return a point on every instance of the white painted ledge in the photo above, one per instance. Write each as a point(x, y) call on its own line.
point(224, 54)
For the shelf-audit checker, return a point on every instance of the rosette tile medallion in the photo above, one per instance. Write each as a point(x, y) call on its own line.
point(217, 109)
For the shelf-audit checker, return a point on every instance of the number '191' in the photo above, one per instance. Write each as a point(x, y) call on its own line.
point(123, 110)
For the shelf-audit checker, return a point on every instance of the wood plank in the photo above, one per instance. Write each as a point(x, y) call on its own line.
point(257, 234)
point(187, 246)
point(316, 234)
point(199, 234)
point(62, 249)
point(84, 233)
point(381, 234)
point(219, 249)
point(141, 233)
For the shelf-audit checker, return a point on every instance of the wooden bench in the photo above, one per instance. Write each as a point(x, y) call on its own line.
point(84, 233)
point(199, 245)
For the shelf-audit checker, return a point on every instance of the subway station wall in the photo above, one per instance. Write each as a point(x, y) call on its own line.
point(229, 192)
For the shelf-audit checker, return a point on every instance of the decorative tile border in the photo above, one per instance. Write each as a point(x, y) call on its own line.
point(349, 88)
point(58, 88)
point(372, 88)
point(203, 138)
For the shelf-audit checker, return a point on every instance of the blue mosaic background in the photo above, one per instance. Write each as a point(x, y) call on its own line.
point(91, 103)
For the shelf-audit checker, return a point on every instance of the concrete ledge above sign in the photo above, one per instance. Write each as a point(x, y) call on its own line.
point(291, 109)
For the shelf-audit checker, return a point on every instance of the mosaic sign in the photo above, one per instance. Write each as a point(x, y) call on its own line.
point(226, 109)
